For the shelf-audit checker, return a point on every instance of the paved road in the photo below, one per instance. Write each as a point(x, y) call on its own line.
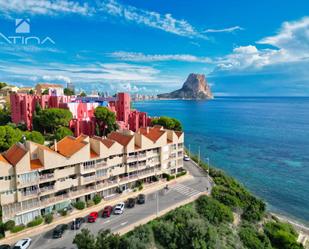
point(177, 192)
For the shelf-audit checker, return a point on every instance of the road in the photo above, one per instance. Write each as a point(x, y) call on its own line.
point(177, 193)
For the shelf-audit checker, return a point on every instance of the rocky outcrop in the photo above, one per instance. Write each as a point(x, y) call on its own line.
point(195, 87)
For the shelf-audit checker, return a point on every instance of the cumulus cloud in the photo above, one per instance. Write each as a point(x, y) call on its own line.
point(225, 30)
point(290, 44)
point(44, 7)
point(140, 57)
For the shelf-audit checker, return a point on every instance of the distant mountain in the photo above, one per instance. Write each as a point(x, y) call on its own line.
point(195, 87)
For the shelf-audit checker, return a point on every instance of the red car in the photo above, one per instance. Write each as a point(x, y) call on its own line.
point(93, 217)
point(107, 211)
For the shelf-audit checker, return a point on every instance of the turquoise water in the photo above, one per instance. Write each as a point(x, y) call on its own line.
point(263, 142)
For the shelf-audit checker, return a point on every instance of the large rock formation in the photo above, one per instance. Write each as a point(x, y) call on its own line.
point(195, 87)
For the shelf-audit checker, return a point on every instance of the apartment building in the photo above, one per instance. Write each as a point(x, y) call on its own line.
point(36, 179)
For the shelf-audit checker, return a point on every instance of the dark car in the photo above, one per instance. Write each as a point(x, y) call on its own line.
point(76, 224)
point(107, 211)
point(131, 203)
point(93, 217)
point(59, 230)
point(5, 247)
point(141, 198)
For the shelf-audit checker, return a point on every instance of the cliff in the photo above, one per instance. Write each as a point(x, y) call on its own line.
point(195, 87)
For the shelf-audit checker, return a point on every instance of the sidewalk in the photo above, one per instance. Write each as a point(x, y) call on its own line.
point(30, 232)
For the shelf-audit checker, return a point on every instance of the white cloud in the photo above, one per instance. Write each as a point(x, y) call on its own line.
point(225, 30)
point(165, 22)
point(290, 44)
point(56, 78)
point(44, 7)
point(140, 57)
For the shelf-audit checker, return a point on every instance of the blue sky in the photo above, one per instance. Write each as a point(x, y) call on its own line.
point(245, 48)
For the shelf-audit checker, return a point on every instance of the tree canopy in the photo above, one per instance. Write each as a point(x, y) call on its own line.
point(68, 92)
point(82, 94)
point(5, 115)
point(62, 132)
point(48, 120)
point(9, 136)
point(3, 84)
point(168, 123)
point(106, 121)
point(34, 136)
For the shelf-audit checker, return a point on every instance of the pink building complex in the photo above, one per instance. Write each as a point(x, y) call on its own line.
point(83, 122)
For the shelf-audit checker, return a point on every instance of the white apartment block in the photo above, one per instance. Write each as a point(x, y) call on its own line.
point(36, 179)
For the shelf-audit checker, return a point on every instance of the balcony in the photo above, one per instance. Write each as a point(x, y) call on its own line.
point(101, 165)
point(88, 168)
point(7, 198)
point(32, 182)
point(47, 190)
point(66, 183)
point(47, 177)
point(87, 179)
point(60, 173)
point(26, 195)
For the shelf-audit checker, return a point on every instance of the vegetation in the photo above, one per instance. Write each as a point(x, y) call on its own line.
point(97, 199)
point(62, 132)
point(49, 120)
point(82, 94)
point(253, 239)
point(3, 84)
point(168, 123)
point(34, 136)
point(68, 92)
point(17, 229)
point(80, 205)
point(9, 136)
point(90, 203)
point(37, 221)
point(9, 225)
point(48, 218)
point(106, 121)
point(5, 115)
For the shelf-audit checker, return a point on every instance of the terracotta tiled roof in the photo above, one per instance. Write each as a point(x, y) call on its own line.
point(93, 154)
point(120, 138)
point(2, 159)
point(36, 164)
point(81, 137)
point(152, 133)
point(68, 146)
point(15, 153)
point(107, 142)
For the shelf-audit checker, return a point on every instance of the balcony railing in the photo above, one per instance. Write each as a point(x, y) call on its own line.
point(47, 188)
point(48, 176)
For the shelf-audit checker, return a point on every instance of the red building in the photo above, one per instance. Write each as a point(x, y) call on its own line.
point(83, 122)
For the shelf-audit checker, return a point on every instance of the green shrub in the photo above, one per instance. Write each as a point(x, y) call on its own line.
point(9, 225)
point(37, 221)
point(90, 203)
point(140, 187)
point(79, 205)
point(17, 229)
point(252, 239)
point(168, 177)
point(48, 218)
point(97, 199)
point(214, 211)
point(182, 173)
point(63, 212)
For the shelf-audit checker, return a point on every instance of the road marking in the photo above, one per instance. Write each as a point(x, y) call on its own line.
point(123, 223)
point(185, 190)
point(108, 221)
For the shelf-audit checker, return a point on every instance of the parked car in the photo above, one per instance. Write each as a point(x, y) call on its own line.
point(141, 198)
point(5, 247)
point(59, 230)
point(22, 244)
point(76, 224)
point(93, 217)
point(186, 158)
point(131, 202)
point(119, 208)
point(107, 211)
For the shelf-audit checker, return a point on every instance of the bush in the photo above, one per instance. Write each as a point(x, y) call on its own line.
point(252, 239)
point(182, 173)
point(79, 205)
point(97, 199)
point(48, 218)
point(63, 212)
point(37, 221)
point(214, 211)
point(17, 229)
point(140, 187)
point(168, 177)
point(9, 225)
point(90, 203)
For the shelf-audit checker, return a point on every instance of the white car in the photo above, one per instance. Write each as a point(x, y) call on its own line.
point(186, 158)
point(119, 208)
point(23, 244)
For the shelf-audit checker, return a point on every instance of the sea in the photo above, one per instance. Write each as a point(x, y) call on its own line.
point(261, 141)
